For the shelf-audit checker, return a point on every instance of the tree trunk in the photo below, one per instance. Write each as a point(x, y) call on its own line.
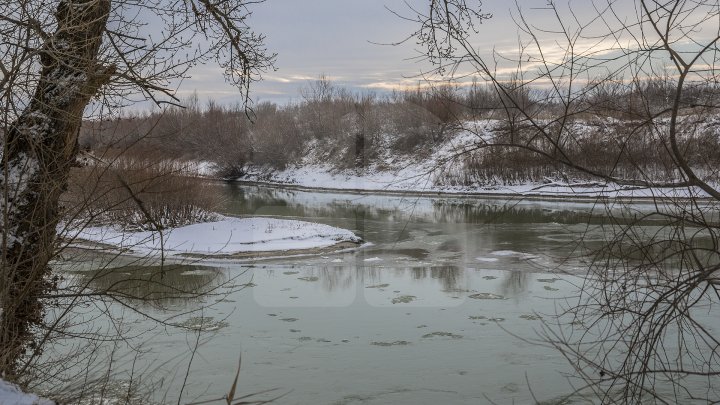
point(38, 151)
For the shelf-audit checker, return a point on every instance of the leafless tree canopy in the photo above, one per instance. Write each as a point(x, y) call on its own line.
point(446, 26)
point(150, 44)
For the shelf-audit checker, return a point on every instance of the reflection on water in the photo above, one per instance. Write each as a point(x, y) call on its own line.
point(514, 283)
point(448, 275)
point(169, 285)
point(261, 200)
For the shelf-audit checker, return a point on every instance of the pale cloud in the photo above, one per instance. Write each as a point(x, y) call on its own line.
point(279, 79)
point(339, 38)
point(400, 85)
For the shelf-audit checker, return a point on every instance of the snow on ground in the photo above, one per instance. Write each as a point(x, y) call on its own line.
point(423, 178)
point(443, 171)
point(224, 237)
point(408, 175)
point(10, 394)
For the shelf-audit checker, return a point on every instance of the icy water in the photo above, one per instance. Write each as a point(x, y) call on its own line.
point(441, 307)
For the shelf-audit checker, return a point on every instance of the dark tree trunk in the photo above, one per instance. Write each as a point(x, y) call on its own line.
point(38, 151)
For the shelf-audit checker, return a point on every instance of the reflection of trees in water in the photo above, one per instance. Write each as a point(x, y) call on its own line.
point(249, 200)
point(447, 275)
point(370, 274)
point(243, 199)
point(170, 285)
point(336, 278)
point(514, 283)
point(450, 211)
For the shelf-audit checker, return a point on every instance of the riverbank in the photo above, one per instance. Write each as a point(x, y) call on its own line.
point(410, 181)
point(452, 167)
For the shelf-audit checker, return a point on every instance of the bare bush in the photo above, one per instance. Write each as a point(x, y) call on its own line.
point(139, 193)
point(276, 138)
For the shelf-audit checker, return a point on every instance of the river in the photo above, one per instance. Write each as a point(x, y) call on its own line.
point(445, 304)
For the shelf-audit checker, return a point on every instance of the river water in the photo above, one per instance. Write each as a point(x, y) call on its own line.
point(443, 305)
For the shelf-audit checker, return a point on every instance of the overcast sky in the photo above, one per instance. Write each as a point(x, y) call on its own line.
point(339, 38)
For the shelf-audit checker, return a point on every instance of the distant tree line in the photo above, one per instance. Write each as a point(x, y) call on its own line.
point(613, 125)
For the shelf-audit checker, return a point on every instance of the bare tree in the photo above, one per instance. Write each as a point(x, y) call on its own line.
point(626, 98)
point(55, 57)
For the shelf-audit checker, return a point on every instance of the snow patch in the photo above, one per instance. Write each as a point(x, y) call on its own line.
point(11, 394)
point(226, 236)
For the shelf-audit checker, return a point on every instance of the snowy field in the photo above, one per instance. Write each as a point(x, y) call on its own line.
point(228, 236)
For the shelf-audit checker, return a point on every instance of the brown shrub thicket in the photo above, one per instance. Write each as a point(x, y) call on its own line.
point(138, 192)
point(349, 130)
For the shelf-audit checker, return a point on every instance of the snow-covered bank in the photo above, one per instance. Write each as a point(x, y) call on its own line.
point(456, 164)
point(11, 394)
point(228, 237)
point(446, 169)
point(424, 178)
